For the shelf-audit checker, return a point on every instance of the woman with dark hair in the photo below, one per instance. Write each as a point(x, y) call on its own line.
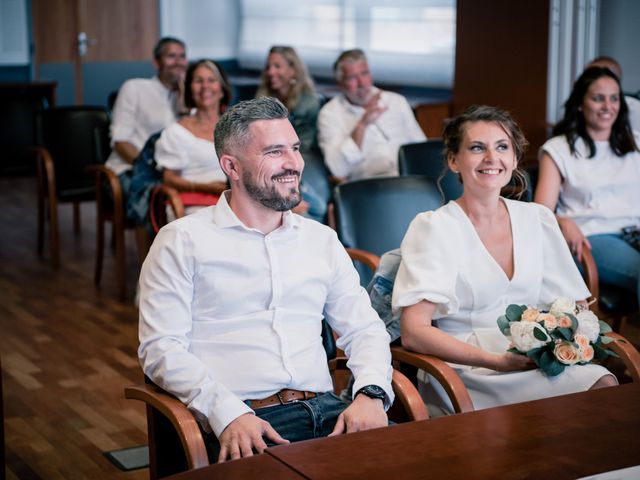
point(286, 78)
point(464, 263)
point(590, 173)
point(185, 150)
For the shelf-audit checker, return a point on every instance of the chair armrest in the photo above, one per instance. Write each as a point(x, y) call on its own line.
point(180, 417)
point(406, 392)
point(46, 170)
point(627, 352)
point(104, 173)
point(409, 397)
point(442, 372)
point(173, 198)
point(590, 274)
point(369, 259)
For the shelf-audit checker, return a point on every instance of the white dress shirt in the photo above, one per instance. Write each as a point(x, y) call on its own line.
point(378, 154)
point(144, 106)
point(229, 314)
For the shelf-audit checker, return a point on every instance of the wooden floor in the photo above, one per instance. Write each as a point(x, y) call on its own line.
point(68, 349)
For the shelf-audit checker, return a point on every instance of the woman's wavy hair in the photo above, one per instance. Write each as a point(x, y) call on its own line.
point(218, 71)
point(573, 125)
point(302, 84)
point(454, 133)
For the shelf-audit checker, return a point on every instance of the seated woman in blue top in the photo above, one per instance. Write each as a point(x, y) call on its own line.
point(464, 263)
point(590, 176)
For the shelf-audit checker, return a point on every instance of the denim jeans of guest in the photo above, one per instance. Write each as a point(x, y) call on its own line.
point(295, 421)
point(618, 262)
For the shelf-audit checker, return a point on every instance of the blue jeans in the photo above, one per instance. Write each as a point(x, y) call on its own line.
point(294, 421)
point(618, 262)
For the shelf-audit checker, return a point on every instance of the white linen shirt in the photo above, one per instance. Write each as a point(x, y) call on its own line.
point(143, 107)
point(600, 194)
point(634, 112)
point(378, 154)
point(229, 314)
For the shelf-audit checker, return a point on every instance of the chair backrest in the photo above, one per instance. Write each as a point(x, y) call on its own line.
point(68, 134)
point(427, 158)
point(373, 214)
point(316, 175)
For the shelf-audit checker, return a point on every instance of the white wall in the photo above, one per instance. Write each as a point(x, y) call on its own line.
point(210, 28)
point(620, 38)
point(14, 45)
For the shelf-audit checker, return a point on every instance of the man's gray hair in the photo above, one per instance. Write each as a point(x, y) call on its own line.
point(348, 56)
point(232, 129)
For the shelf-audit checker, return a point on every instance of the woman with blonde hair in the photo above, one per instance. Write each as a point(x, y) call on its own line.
point(286, 78)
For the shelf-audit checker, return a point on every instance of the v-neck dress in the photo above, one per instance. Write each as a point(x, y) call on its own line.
point(445, 262)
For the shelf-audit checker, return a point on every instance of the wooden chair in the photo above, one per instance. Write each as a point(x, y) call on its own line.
point(161, 197)
point(612, 303)
point(175, 440)
point(66, 148)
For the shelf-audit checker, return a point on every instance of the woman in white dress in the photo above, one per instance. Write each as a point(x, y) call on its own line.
point(185, 150)
point(590, 176)
point(464, 263)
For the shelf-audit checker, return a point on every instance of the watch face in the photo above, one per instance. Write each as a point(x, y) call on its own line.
point(373, 391)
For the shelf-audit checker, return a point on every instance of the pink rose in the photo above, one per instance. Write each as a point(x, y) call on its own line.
point(530, 315)
point(586, 354)
point(566, 353)
point(550, 322)
point(582, 341)
point(564, 322)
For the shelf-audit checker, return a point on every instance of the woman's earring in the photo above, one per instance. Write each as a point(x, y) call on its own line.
point(293, 81)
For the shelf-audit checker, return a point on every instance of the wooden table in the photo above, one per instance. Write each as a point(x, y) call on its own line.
point(563, 437)
point(258, 467)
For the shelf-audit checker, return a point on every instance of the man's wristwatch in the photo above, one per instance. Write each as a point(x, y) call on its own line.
point(372, 391)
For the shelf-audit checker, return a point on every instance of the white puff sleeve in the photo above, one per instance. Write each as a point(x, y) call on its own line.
point(561, 277)
point(171, 151)
point(429, 267)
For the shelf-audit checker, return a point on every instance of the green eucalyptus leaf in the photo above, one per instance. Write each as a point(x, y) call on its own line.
point(604, 327)
point(514, 313)
point(540, 334)
point(574, 321)
point(567, 333)
point(606, 340)
point(503, 325)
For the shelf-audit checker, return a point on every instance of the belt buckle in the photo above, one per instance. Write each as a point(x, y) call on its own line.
point(280, 397)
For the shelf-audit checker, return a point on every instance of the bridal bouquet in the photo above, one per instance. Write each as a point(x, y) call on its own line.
point(553, 338)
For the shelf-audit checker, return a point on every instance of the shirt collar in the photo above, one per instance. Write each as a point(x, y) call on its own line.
point(225, 217)
point(156, 79)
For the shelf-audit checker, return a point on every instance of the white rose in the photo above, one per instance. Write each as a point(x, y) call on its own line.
point(588, 325)
point(563, 305)
point(523, 338)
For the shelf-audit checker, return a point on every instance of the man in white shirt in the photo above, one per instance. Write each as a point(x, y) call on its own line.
point(146, 105)
point(633, 103)
point(361, 130)
point(232, 299)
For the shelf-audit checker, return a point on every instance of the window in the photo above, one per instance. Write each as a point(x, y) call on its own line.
point(407, 41)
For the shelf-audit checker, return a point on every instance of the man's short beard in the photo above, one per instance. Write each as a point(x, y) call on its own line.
point(269, 197)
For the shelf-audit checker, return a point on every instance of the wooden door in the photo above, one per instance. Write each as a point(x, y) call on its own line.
point(73, 36)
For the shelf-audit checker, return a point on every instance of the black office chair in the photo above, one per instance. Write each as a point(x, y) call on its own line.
point(373, 214)
point(67, 146)
point(427, 158)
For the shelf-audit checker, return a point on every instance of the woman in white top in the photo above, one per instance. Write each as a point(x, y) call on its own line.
point(185, 150)
point(590, 176)
point(464, 263)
